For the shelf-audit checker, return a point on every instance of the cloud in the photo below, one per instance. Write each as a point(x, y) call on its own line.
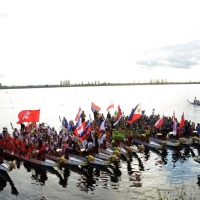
point(3, 15)
point(2, 75)
point(182, 56)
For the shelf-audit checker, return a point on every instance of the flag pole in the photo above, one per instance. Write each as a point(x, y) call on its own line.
point(59, 118)
point(11, 125)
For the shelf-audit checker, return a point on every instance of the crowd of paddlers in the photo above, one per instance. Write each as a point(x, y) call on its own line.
point(35, 140)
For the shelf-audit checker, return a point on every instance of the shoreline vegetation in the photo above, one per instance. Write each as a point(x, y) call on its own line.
point(67, 84)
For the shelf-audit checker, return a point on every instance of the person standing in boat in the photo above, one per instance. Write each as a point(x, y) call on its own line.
point(153, 112)
point(65, 122)
point(15, 133)
point(4, 132)
point(195, 99)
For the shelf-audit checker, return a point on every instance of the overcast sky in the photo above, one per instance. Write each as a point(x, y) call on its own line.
point(44, 42)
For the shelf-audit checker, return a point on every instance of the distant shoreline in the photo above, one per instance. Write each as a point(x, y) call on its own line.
point(94, 85)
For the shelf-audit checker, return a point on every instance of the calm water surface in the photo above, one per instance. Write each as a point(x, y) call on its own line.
point(143, 177)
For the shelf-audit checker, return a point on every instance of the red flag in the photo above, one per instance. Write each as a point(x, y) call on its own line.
point(28, 116)
point(159, 122)
point(119, 113)
point(110, 106)
point(78, 115)
point(182, 123)
point(95, 107)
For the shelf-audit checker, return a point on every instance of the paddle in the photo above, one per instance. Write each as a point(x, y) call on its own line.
point(11, 125)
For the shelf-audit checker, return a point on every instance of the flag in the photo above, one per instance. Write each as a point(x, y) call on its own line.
point(80, 129)
point(87, 130)
point(117, 121)
point(28, 116)
point(136, 113)
point(119, 113)
point(182, 123)
point(159, 122)
point(110, 106)
point(174, 124)
point(95, 107)
point(102, 127)
point(78, 116)
point(89, 127)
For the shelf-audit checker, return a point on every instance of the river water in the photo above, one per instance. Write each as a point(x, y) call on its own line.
point(149, 176)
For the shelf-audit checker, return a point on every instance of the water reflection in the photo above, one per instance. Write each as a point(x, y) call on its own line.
point(131, 173)
point(4, 178)
point(39, 173)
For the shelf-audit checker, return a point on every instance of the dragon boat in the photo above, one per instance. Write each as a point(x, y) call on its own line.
point(96, 161)
point(46, 162)
point(186, 141)
point(4, 167)
point(164, 143)
point(71, 161)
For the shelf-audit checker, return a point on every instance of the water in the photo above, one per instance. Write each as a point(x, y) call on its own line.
point(145, 177)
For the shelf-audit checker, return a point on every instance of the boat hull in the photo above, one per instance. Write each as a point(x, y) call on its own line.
point(70, 161)
point(4, 167)
point(46, 162)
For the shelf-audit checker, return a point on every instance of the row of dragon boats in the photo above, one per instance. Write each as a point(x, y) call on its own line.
point(107, 156)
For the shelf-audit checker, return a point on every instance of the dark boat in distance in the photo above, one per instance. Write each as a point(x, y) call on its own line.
point(196, 103)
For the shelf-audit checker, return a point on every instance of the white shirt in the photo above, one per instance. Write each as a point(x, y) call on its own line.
point(90, 146)
point(103, 137)
point(84, 143)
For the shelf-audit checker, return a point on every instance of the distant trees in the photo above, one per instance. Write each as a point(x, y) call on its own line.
point(65, 83)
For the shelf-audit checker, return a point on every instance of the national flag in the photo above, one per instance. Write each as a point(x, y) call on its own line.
point(174, 124)
point(80, 129)
point(102, 127)
point(136, 113)
point(95, 107)
point(89, 127)
point(159, 122)
point(182, 122)
point(78, 116)
point(119, 113)
point(110, 106)
point(117, 121)
point(28, 116)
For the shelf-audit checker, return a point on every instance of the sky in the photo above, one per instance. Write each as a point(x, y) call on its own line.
point(46, 42)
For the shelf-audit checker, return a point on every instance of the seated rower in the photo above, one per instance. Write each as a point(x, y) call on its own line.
point(64, 146)
point(41, 150)
point(77, 150)
point(52, 149)
point(102, 137)
point(26, 151)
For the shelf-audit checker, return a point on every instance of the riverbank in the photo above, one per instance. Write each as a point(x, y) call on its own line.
point(94, 85)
